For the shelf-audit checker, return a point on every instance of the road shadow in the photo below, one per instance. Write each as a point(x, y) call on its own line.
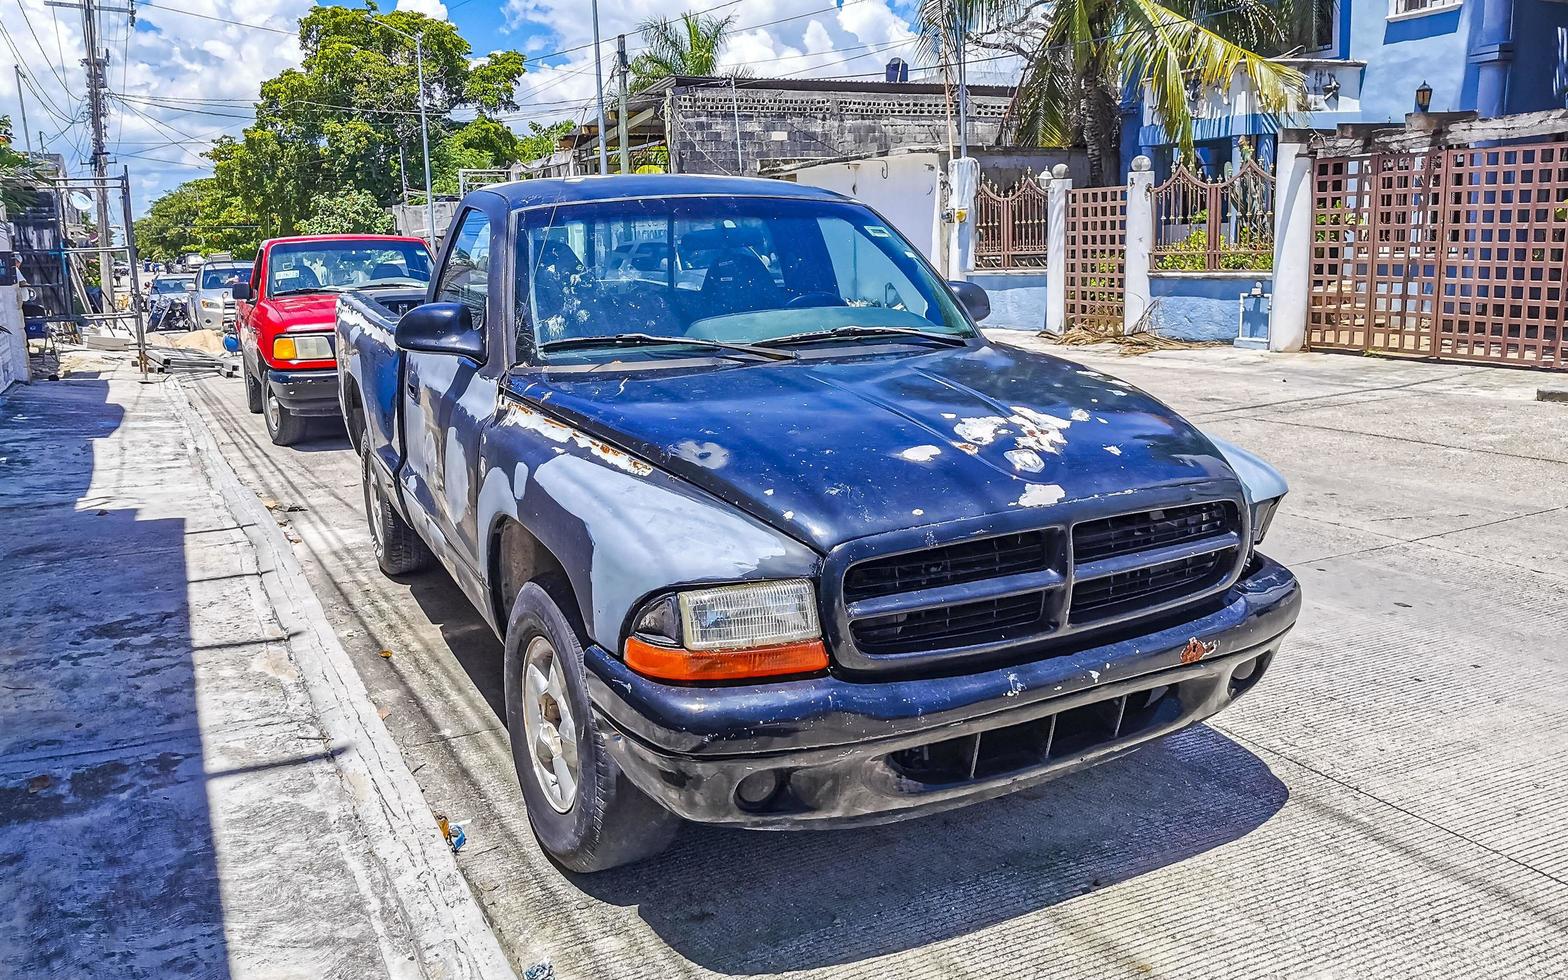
point(107, 859)
point(746, 902)
point(845, 896)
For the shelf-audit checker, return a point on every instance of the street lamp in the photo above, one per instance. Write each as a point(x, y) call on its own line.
point(1423, 97)
point(424, 128)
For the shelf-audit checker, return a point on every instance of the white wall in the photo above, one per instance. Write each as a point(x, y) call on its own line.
point(906, 188)
point(13, 341)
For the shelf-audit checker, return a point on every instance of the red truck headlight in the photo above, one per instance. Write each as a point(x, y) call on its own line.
point(314, 347)
point(762, 629)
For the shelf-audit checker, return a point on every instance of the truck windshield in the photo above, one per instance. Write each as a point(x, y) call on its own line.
point(326, 267)
point(743, 270)
point(225, 277)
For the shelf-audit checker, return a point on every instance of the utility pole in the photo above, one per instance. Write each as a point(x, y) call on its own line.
point(96, 62)
point(27, 139)
point(960, 29)
point(624, 68)
point(424, 128)
point(598, 80)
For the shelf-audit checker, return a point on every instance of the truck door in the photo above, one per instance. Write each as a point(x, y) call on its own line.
point(447, 401)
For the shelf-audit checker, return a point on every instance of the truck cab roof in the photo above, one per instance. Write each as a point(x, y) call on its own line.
point(548, 191)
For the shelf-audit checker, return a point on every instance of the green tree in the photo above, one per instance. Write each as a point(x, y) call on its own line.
point(541, 140)
point(689, 45)
point(16, 171)
point(172, 226)
point(349, 213)
point(1081, 55)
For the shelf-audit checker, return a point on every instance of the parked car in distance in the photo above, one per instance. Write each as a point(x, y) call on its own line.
point(169, 302)
point(212, 304)
point(798, 547)
point(285, 318)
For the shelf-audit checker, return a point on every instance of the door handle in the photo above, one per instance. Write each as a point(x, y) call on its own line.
point(413, 389)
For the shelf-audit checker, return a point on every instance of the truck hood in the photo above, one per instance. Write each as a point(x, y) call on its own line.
point(831, 449)
point(308, 310)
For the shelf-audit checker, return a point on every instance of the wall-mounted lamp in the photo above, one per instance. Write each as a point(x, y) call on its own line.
point(1423, 97)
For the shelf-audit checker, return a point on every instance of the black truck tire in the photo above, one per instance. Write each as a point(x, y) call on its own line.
point(252, 393)
point(399, 549)
point(606, 822)
point(284, 427)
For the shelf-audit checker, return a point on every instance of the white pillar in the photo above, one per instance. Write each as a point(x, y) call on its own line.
point(1057, 184)
point(13, 340)
point(1136, 297)
point(1292, 246)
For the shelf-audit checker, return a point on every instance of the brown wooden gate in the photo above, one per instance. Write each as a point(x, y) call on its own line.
point(1450, 253)
point(1096, 257)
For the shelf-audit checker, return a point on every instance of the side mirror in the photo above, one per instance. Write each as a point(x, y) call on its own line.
point(441, 328)
point(241, 290)
point(974, 299)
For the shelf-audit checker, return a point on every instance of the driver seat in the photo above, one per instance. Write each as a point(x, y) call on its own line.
point(738, 282)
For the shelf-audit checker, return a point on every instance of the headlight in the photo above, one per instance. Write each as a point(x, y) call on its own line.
point(1262, 514)
point(765, 629)
point(211, 304)
point(309, 348)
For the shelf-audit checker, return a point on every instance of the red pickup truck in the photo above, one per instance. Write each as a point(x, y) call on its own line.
point(286, 315)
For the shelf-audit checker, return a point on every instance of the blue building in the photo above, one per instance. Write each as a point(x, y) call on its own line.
point(1365, 61)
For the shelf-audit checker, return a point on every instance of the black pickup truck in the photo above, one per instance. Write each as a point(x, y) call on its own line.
point(774, 536)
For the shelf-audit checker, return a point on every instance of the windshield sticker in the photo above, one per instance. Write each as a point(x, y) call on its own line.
point(877, 231)
point(286, 274)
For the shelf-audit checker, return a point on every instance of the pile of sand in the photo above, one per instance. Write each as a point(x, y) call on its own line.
point(206, 341)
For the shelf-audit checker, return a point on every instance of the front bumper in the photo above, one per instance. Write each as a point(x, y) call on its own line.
point(837, 751)
point(306, 393)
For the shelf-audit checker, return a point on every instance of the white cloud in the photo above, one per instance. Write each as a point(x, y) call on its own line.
point(434, 9)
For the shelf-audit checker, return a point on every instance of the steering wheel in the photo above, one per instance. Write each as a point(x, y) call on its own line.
point(817, 298)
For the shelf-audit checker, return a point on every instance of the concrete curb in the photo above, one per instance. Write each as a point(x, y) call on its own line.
point(451, 935)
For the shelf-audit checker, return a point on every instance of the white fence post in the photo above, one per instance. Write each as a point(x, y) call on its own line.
point(1136, 298)
point(1292, 246)
point(1057, 184)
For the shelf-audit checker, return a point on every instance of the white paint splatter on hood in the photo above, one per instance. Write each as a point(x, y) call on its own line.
point(981, 430)
point(920, 454)
point(1041, 495)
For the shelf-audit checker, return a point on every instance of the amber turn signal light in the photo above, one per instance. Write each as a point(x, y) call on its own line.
point(678, 664)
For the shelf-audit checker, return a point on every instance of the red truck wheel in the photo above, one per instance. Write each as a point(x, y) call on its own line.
point(584, 811)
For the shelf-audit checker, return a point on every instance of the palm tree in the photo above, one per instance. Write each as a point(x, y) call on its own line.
point(688, 46)
point(1080, 56)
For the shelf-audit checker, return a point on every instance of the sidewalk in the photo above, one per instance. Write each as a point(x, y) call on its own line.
point(188, 783)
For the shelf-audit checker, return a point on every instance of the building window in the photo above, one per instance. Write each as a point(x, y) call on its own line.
point(1323, 24)
point(1414, 8)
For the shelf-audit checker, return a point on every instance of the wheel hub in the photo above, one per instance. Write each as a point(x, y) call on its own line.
point(549, 726)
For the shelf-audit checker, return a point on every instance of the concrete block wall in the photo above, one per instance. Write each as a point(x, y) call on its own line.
point(794, 126)
point(1201, 305)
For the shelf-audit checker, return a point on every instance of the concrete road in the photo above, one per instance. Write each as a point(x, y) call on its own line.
point(1391, 801)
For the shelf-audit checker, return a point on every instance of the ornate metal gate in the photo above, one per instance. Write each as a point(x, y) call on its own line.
point(1454, 253)
point(1096, 257)
point(1011, 226)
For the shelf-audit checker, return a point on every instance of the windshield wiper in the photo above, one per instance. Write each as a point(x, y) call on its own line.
point(649, 340)
point(854, 331)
